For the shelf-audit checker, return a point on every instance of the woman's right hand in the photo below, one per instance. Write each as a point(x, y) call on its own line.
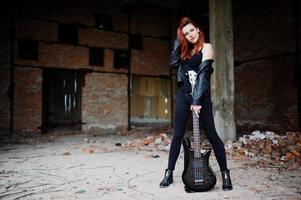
point(196, 109)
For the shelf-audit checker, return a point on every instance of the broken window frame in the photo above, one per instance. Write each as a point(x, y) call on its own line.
point(103, 21)
point(96, 56)
point(121, 59)
point(28, 49)
point(68, 33)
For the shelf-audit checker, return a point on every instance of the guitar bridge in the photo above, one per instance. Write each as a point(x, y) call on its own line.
point(199, 181)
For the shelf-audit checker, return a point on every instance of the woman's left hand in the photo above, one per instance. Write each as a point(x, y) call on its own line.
point(196, 109)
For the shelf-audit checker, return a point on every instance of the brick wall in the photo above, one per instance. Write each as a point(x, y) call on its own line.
point(105, 101)
point(63, 11)
point(5, 67)
point(264, 46)
point(36, 20)
point(36, 29)
point(28, 99)
point(154, 58)
point(151, 20)
point(270, 102)
point(4, 97)
point(63, 56)
point(105, 39)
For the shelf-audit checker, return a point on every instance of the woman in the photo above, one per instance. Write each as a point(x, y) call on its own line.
point(190, 52)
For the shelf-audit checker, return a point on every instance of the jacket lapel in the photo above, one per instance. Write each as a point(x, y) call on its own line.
point(204, 64)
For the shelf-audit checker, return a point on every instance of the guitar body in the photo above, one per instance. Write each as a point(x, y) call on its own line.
point(197, 175)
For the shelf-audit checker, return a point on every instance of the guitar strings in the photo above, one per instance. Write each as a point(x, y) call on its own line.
point(196, 151)
point(197, 164)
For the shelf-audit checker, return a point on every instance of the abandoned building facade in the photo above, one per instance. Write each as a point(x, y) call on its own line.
point(105, 64)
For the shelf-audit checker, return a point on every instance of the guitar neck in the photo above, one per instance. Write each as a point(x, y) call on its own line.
point(196, 135)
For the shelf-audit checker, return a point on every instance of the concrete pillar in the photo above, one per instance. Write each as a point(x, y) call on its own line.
point(222, 86)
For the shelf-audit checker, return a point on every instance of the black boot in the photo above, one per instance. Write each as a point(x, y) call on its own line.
point(168, 178)
point(227, 184)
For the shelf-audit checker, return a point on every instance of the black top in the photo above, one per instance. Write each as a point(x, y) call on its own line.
point(191, 64)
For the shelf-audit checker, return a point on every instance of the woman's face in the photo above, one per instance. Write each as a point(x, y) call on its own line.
point(191, 33)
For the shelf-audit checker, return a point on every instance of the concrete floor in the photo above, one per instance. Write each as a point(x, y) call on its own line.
point(64, 169)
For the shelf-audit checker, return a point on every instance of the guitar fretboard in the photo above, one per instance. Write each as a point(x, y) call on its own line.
point(196, 130)
point(196, 135)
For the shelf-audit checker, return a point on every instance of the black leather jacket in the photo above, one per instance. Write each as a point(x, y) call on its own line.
point(202, 84)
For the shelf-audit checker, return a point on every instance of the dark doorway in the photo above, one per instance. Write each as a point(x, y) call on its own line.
point(62, 99)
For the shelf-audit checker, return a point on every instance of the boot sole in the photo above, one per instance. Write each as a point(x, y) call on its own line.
point(163, 186)
point(227, 189)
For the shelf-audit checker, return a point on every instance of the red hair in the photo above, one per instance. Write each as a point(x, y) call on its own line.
point(185, 50)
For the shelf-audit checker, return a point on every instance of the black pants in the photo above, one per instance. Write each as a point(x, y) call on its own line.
point(183, 102)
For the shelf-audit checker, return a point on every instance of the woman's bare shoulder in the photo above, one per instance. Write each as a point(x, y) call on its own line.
point(207, 51)
point(207, 46)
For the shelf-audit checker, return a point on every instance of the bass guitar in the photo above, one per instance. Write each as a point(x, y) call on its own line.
point(197, 176)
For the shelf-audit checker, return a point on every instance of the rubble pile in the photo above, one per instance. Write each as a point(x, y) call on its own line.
point(268, 145)
point(159, 142)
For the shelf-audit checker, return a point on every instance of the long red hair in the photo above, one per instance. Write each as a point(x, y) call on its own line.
point(184, 46)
